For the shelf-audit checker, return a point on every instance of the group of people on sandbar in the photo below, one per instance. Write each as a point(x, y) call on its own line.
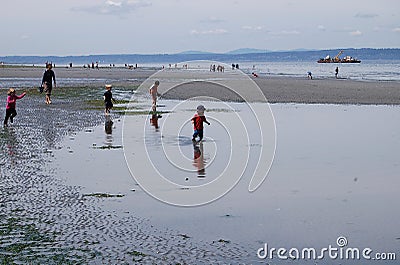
point(219, 68)
point(309, 74)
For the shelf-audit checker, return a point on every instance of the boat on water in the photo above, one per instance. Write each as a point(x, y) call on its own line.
point(337, 59)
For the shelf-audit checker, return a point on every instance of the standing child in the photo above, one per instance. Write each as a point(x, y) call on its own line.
point(11, 104)
point(154, 93)
point(108, 99)
point(197, 121)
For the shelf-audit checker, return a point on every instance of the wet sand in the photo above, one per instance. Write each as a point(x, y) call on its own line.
point(40, 216)
point(48, 215)
point(46, 219)
point(276, 89)
point(332, 91)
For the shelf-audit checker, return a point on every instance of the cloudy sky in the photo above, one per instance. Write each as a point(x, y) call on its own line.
point(82, 27)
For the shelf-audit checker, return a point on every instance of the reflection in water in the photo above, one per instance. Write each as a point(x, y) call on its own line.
point(154, 118)
point(10, 141)
point(50, 134)
point(108, 129)
point(198, 159)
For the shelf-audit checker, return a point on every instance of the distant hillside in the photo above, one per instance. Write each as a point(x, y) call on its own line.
point(237, 51)
point(264, 56)
point(194, 52)
point(246, 51)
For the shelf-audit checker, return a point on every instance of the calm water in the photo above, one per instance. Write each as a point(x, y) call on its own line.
point(335, 173)
point(366, 70)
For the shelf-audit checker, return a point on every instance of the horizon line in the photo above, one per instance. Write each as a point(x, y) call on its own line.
point(195, 52)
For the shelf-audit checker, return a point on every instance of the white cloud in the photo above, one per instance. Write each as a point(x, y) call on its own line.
point(355, 33)
point(253, 28)
point(113, 7)
point(208, 32)
point(112, 3)
point(396, 30)
point(284, 33)
point(365, 15)
point(212, 20)
point(321, 27)
point(290, 32)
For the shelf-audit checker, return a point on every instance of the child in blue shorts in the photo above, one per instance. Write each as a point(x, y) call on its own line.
point(197, 121)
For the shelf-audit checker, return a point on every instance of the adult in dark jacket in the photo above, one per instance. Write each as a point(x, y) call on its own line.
point(47, 81)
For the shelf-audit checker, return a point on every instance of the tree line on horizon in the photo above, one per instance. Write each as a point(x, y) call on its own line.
point(296, 55)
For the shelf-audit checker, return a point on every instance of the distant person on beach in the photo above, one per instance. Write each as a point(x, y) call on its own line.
point(197, 121)
point(309, 75)
point(11, 105)
point(108, 99)
point(154, 93)
point(336, 72)
point(47, 82)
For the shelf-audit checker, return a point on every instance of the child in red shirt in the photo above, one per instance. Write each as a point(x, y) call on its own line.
point(197, 121)
point(11, 104)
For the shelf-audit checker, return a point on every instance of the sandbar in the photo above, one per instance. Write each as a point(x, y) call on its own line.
point(276, 89)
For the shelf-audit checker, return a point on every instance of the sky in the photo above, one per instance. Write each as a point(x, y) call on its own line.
point(85, 27)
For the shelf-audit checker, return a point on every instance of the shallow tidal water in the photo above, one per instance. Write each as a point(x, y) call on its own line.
point(334, 174)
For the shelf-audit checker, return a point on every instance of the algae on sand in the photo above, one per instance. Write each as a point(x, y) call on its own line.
point(103, 195)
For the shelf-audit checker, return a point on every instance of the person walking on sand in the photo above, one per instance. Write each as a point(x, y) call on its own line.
point(108, 99)
point(154, 93)
point(197, 121)
point(11, 105)
point(336, 72)
point(47, 82)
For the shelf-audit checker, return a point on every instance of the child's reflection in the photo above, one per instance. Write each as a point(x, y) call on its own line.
point(198, 159)
point(11, 143)
point(108, 125)
point(108, 129)
point(154, 118)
